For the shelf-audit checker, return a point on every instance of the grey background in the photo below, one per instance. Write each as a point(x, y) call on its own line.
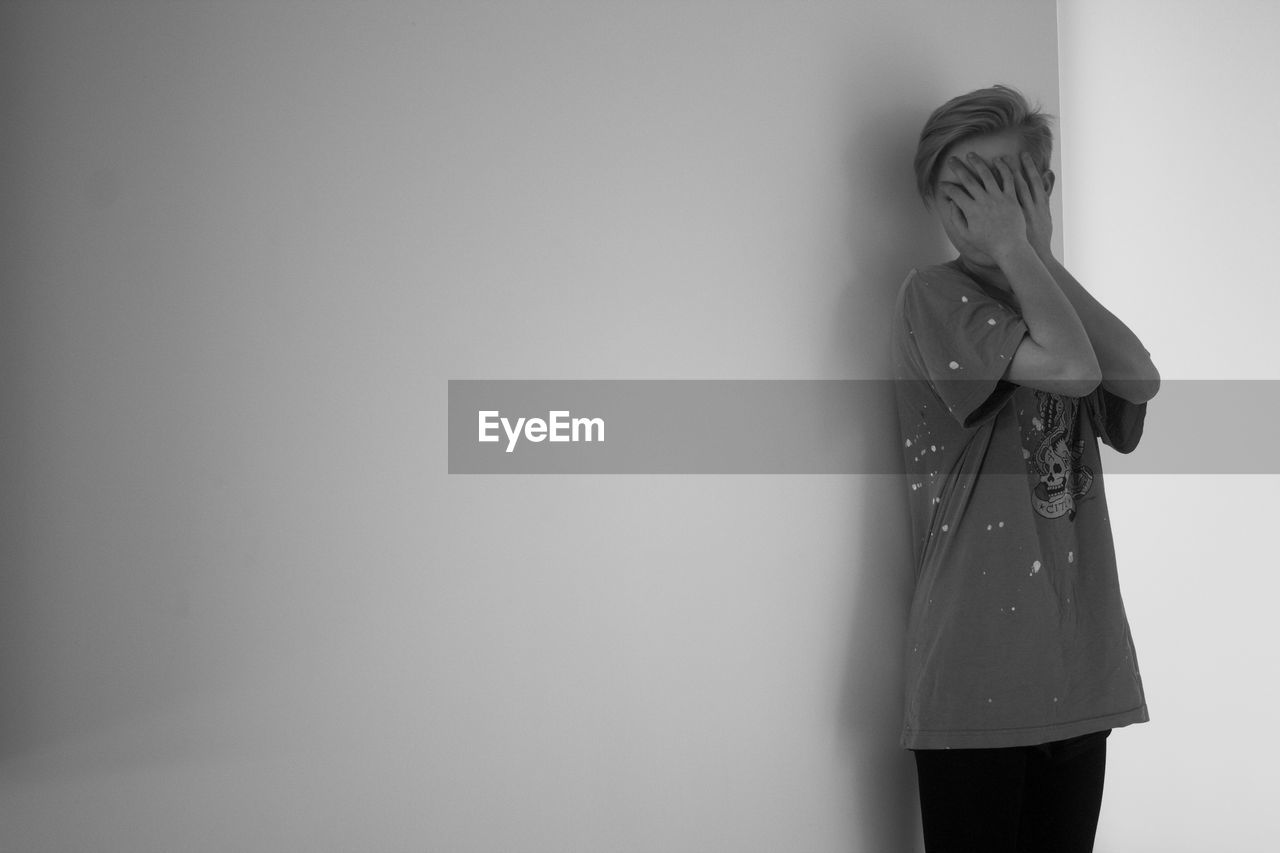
point(246, 245)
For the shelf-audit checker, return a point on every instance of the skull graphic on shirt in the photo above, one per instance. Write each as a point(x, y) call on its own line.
point(1056, 463)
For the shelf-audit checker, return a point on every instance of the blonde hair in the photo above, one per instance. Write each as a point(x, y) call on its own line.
point(980, 113)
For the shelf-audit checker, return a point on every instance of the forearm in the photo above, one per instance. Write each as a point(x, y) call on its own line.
point(1127, 369)
point(1051, 318)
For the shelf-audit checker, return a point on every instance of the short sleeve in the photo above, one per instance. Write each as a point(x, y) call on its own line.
point(1117, 421)
point(963, 342)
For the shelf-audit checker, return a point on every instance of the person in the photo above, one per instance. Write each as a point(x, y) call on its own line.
point(1019, 659)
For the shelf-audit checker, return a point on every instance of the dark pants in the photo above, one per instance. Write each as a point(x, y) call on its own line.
point(1026, 799)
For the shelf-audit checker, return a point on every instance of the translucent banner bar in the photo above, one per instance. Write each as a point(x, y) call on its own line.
point(642, 426)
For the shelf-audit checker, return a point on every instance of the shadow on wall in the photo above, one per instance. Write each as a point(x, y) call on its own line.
point(888, 232)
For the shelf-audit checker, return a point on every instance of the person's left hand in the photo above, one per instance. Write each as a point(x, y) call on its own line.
point(1034, 199)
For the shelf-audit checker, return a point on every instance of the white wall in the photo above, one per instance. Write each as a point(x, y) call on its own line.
point(1171, 205)
point(244, 607)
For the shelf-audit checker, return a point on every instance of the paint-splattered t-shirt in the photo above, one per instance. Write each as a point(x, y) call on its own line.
point(1017, 633)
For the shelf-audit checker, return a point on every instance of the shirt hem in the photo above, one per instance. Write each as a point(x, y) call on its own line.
point(1031, 736)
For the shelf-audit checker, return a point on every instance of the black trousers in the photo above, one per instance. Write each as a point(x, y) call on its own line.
point(1025, 799)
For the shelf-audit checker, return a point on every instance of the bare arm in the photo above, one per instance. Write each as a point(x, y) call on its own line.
point(1056, 355)
point(1127, 369)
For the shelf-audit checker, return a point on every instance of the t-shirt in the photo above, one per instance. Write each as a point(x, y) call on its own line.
point(1017, 633)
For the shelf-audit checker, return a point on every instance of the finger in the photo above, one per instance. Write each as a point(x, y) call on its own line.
point(1006, 176)
point(1023, 189)
point(950, 206)
point(960, 204)
point(1035, 183)
point(968, 178)
point(960, 169)
point(954, 189)
point(983, 171)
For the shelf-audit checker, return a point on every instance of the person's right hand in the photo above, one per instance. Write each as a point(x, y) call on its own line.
point(985, 211)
